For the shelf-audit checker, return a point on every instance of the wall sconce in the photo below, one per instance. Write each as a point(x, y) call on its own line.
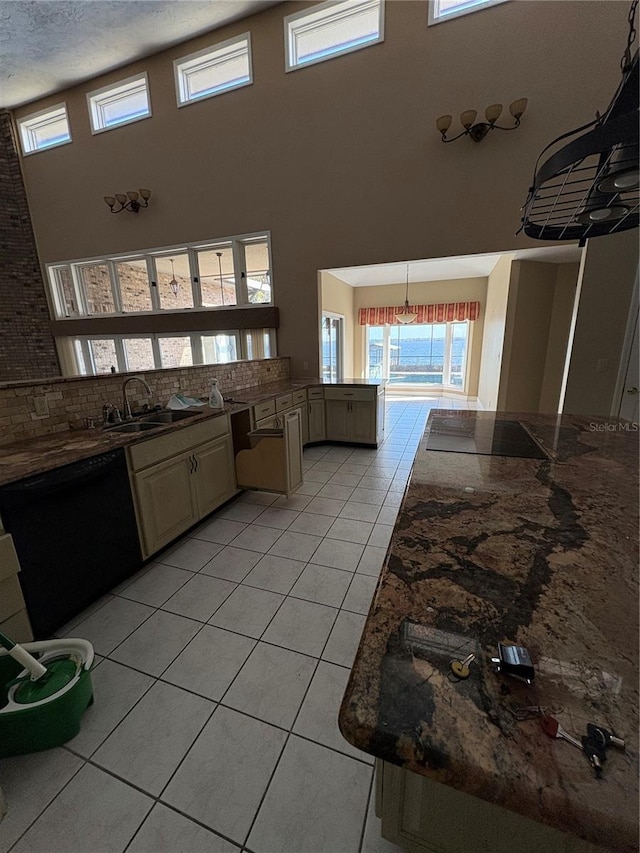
point(132, 201)
point(479, 130)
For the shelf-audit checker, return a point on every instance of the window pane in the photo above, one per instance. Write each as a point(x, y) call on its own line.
point(219, 349)
point(331, 343)
point(417, 354)
point(77, 349)
point(97, 288)
point(459, 336)
point(258, 274)
point(64, 280)
point(120, 104)
point(376, 352)
point(133, 279)
point(104, 355)
point(174, 282)
point(45, 129)
point(218, 288)
point(138, 353)
point(332, 29)
point(175, 351)
point(212, 71)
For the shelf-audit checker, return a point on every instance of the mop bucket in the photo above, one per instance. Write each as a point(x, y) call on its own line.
point(45, 687)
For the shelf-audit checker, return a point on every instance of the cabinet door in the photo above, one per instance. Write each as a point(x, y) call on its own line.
point(362, 422)
point(293, 438)
point(337, 420)
point(214, 475)
point(166, 501)
point(316, 427)
point(269, 423)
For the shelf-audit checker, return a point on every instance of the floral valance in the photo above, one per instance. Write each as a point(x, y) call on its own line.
point(443, 312)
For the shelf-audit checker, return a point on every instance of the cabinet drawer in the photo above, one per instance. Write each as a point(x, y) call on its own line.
point(284, 402)
point(156, 449)
point(350, 394)
point(263, 410)
point(315, 393)
point(299, 397)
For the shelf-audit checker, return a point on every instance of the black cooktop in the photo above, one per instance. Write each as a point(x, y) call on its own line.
point(486, 436)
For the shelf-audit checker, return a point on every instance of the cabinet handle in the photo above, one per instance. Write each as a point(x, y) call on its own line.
point(191, 464)
point(197, 462)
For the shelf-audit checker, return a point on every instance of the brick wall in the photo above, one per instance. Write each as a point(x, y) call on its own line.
point(70, 400)
point(26, 345)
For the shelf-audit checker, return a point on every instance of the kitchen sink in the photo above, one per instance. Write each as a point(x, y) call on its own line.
point(136, 426)
point(167, 417)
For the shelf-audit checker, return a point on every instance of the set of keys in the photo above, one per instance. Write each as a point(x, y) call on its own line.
point(594, 744)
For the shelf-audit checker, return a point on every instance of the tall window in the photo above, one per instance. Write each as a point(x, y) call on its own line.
point(417, 355)
point(332, 346)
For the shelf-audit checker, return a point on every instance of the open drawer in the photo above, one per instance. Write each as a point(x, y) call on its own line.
point(270, 459)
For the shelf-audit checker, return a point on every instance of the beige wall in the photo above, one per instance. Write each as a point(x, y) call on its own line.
point(337, 297)
point(531, 294)
point(606, 288)
point(426, 293)
point(559, 328)
point(495, 314)
point(341, 161)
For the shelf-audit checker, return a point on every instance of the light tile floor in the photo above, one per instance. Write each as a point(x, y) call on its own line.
point(221, 667)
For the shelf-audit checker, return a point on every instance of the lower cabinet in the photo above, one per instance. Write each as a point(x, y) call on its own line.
point(273, 462)
point(351, 420)
point(175, 493)
point(316, 422)
point(424, 816)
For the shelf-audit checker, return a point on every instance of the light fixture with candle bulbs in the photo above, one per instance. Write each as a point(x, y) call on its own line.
point(478, 130)
point(133, 201)
point(406, 315)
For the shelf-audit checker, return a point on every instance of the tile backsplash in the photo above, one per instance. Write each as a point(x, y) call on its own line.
point(30, 409)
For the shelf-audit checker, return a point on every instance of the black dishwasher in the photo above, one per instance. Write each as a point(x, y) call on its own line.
point(75, 534)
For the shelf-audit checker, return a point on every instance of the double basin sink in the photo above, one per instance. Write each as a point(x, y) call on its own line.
point(151, 421)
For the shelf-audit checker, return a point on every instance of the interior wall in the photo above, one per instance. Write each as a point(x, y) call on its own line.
point(605, 298)
point(341, 160)
point(426, 293)
point(529, 310)
point(559, 329)
point(337, 297)
point(495, 314)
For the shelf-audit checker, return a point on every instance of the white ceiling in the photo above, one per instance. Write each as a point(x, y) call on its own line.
point(446, 269)
point(48, 45)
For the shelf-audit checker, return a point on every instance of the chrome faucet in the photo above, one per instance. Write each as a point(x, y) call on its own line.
point(126, 408)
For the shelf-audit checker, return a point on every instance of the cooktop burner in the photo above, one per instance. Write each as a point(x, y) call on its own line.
point(485, 436)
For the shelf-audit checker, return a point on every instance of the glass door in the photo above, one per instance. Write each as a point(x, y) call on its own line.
point(332, 347)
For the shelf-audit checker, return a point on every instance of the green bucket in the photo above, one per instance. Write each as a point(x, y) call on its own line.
point(37, 715)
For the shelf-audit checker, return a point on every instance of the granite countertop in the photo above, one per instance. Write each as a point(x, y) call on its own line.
point(537, 553)
point(35, 455)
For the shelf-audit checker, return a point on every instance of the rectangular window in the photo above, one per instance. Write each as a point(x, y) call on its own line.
point(214, 70)
point(331, 29)
point(96, 283)
point(175, 351)
point(103, 355)
point(219, 348)
point(121, 104)
point(256, 256)
point(217, 276)
point(63, 291)
point(443, 10)
point(133, 282)
point(173, 280)
point(44, 129)
point(332, 346)
point(138, 354)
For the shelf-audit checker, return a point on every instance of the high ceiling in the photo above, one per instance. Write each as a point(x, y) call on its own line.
point(49, 45)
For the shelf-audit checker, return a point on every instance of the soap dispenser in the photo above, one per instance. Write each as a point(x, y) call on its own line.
point(215, 397)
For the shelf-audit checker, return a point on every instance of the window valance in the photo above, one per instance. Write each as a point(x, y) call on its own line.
point(442, 312)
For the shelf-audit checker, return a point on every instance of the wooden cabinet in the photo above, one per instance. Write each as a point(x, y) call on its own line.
point(316, 421)
point(274, 460)
point(352, 414)
point(179, 478)
point(424, 816)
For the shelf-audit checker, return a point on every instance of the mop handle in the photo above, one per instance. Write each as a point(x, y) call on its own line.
point(22, 656)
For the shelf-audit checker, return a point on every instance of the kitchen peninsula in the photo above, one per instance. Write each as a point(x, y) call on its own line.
point(537, 552)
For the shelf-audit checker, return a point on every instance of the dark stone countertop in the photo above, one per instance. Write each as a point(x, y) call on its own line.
point(35, 455)
point(537, 553)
